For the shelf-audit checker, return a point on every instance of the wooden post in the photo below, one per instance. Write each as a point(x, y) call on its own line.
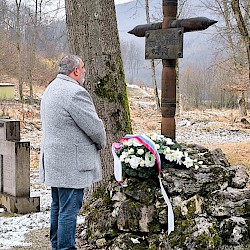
point(168, 97)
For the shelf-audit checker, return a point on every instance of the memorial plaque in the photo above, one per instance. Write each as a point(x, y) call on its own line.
point(164, 44)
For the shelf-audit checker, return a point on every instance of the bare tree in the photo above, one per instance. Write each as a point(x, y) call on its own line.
point(243, 26)
point(33, 45)
point(245, 36)
point(18, 46)
point(157, 99)
point(234, 33)
point(131, 56)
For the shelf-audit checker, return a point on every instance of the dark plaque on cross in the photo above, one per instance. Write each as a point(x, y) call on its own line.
point(164, 40)
point(164, 44)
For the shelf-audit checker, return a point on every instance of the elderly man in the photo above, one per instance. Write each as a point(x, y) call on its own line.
point(72, 137)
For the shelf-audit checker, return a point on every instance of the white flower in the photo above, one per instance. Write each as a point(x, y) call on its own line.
point(179, 161)
point(140, 151)
point(188, 162)
point(153, 137)
point(126, 160)
point(134, 161)
point(170, 157)
point(131, 151)
point(149, 160)
point(169, 141)
point(178, 154)
point(142, 163)
point(136, 143)
point(123, 156)
point(159, 137)
point(157, 146)
point(167, 151)
point(169, 154)
point(125, 143)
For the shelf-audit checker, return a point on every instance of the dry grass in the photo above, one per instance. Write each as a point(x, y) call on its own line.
point(237, 153)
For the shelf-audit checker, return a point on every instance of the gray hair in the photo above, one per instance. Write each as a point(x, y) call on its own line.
point(68, 63)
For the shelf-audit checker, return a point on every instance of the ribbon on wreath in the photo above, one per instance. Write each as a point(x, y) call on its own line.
point(150, 145)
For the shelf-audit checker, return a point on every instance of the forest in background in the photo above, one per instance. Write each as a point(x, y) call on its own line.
point(33, 37)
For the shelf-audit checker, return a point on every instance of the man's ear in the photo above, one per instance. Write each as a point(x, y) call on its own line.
point(76, 71)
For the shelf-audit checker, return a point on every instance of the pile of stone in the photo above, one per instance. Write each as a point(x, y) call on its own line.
point(211, 207)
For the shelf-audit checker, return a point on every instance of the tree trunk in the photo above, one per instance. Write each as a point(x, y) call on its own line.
point(18, 46)
point(33, 42)
point(93, 35)
point(243, 28)
point(242, 104)
point(157, 99)
point(244, 32)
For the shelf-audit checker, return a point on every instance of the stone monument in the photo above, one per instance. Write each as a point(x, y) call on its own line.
point(15, 170)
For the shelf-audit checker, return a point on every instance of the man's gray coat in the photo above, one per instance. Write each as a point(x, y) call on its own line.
point(72, 136)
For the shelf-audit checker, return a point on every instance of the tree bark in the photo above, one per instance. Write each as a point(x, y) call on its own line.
point(93, 35)
point(242, 26)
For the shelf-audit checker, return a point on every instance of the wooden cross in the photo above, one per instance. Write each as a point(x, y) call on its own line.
point(164, 40)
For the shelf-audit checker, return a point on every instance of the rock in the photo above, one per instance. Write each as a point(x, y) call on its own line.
point(145, 105)
point(219, 157)
point(234, 230)
point(230, 202)
point(101, 243)
point(245, 122)
point(211, 209)
point(184, 123)
point(192, 207)
point(241, 177)
point(189, 181)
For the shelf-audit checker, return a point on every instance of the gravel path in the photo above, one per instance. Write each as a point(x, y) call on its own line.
point(211, 132)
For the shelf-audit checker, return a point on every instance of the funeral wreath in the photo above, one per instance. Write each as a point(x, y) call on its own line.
point(138, 161)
